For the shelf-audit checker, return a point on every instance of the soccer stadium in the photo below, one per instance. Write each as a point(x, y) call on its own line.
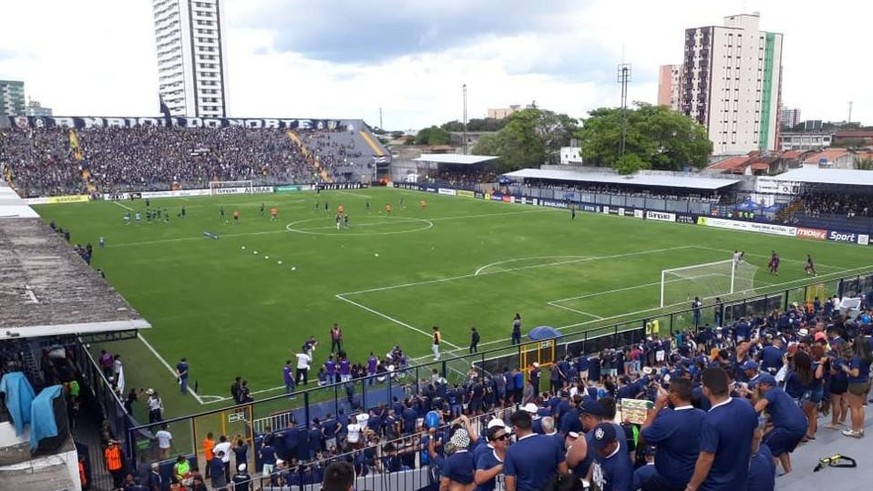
point(201, 302)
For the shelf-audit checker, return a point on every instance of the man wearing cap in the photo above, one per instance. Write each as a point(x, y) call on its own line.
point(242, 480)
point(612, 470)
point(533, 459)
point(749, 372)
point(489, 464)
point(725, 437)
point(788, 420)
point(674, 427)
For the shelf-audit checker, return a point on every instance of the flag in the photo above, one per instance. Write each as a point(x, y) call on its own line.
point(165, 111)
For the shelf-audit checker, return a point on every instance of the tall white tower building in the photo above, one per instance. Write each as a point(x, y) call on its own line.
point(192, 69)
point(732, 84)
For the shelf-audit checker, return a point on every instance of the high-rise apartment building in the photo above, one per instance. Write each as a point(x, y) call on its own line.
point(11, 98)
point(732, 84)
point(789, 118)
point(192, 69)
point(670, 86)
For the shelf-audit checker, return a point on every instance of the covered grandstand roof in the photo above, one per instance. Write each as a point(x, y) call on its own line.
point(12, 206)
point(650, 180)
point(816, 175)
point(454, 158)
point(46, 289)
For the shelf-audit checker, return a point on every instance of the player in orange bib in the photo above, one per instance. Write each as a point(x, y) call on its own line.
point(423, 204)
point(274, 213)
point(341, 209)
point(388, 208)
point(236, 216)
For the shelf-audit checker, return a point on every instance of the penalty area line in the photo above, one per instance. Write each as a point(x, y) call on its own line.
point(116, 203)
point(392, 319)
point(164, 362)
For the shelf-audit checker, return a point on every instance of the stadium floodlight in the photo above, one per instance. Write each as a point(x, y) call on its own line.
point(217, 188)
point(709, 280)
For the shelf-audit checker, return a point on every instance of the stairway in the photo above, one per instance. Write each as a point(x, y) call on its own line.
point(31, 367)
point(309, 156)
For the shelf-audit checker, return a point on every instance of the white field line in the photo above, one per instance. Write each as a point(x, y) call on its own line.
point(392, 319)
point(116, 203)
point(284, 231)
point(520, 268)
point(799, 261)
point(559, 306)
point(479, 271)
point(164, 362)
point(631, 315)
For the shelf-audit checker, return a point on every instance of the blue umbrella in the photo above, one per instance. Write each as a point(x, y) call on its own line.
point(540, 333)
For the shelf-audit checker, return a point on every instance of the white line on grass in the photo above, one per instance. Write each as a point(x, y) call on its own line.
point(392, 319)
point(116, 203)
point(164, 362)
point(559, 306)
point(520, 268)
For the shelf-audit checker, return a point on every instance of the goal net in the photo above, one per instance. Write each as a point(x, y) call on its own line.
point(710, 280)
point(230, 187)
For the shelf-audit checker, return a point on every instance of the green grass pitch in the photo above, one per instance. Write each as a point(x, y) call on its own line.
point(386, 280)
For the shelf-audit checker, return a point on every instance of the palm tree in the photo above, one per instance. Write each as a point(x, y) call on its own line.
point(863, 163)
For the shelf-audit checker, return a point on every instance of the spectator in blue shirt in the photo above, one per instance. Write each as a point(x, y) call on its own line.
point(613, 471)
point(489, 464)
point(771, 356)
point(858, 371)
point(762, 468)
point(725, 437)
point(673, 426)
point(643, 476)
point(458, 468)
point(533, 459)
point(789, 422)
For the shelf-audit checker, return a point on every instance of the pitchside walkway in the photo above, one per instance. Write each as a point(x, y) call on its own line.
point(828, 443)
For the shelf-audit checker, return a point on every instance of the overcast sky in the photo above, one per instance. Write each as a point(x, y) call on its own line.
point(346, 59)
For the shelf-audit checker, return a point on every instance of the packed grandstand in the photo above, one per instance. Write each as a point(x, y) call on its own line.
point(515, 427)
point(53, 159)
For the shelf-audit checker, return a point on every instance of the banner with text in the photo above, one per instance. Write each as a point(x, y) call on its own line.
point(764, 228)
point(79, 122)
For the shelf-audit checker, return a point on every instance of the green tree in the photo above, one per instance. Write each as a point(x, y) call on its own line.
point(454, 125)
point(663, 139)
point(530, 138)
point(432, 136)
point(630, 163)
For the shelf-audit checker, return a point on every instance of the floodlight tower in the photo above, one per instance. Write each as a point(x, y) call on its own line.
point(464, 87)
point(624, 77)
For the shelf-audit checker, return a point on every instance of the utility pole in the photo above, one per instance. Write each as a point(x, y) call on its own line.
point(464, 87)
point(850, 112)
point(624, 77)
point(380, 120)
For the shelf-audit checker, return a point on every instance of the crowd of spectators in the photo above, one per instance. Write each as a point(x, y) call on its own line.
point(817, 204)
point(637, 192)
point(39, 162)
point(774, 375)
point(464, 179)
point(42, 162)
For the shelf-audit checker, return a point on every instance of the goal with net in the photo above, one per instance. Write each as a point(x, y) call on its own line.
point(217, 188)
point(710, 280)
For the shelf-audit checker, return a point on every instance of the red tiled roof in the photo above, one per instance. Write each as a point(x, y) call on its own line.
point(793, 154)
point(854, 134)
point(830, 154)
point(731, 163)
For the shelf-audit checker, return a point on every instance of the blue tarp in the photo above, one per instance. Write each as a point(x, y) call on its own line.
point(19, 396)
point(543, 332)
point(747, 205)
point(42, 415)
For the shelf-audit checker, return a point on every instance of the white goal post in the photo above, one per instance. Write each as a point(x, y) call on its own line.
point(230, 187)
point(709, 280)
